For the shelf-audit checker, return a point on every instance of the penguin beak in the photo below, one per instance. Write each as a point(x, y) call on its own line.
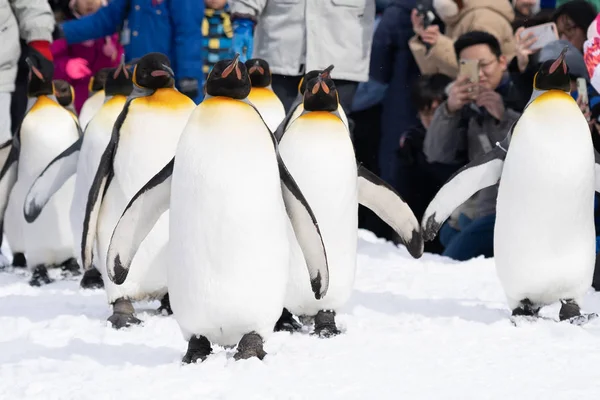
point(320, 85)
point(164, 71)
point(256, 68)
point(35, 70)
point(233, 66)
point(560, 61)
point(326, 72)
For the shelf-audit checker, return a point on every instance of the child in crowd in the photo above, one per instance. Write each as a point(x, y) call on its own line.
point(77, 63)
point(217, 33)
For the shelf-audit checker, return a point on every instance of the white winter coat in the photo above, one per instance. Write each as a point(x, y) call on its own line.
point(297, 36)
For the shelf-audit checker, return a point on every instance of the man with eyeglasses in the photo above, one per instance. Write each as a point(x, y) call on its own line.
point(475, 117)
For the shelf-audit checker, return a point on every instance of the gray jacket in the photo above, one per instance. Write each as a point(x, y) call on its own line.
point(452, 139)
point(297, 36)
point(29, 19)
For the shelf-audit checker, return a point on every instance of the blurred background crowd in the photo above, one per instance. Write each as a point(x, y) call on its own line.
point(415, 116)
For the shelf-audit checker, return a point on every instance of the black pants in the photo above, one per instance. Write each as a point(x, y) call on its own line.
point(286, 88)
point(18, 103)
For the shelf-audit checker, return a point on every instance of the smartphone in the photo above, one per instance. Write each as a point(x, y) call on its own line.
point(582, 90)
point(469, 68)
point(545, 33)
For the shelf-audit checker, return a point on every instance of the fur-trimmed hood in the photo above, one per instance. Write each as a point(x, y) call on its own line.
point(450, 14)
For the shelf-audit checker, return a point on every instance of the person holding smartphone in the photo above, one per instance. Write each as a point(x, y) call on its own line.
point(478, 113)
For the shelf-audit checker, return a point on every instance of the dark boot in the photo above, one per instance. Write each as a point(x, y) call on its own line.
point(19, 260)
point(92, 279)
point(40, 276)
point(251, 345)
point(165, 306)
point(325, 324)
point(198, 349)
point(123, 314)
point(287, 323)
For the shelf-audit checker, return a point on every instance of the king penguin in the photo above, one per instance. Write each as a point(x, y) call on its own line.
point(95, 99)
point(228, 191)
point(144, 139)
point(544, 237)
point(298, 105)
point(82, 159)
point(65, 95)
point(46, 130)
point(319, 153)
point(262, 95)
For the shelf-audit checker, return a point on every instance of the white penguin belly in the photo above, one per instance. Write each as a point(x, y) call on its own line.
point(147, 143)
point(300, 109)
point(95, 140)
point(319, 154)
point(228, 226)
point(48, 240)
point(544, 240)
point(90, 107)
point(268, 105)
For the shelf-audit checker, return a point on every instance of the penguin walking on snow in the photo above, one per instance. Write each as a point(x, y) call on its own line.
point(318, 152)
point(298, 105)
point(144, 139)
point(550, 170)
point(82, 159)
point(262, 96)
point(228, 234)
point(96, 97)
point(46, 130)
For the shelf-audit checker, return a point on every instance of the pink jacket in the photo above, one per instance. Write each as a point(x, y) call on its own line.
point(99, 53)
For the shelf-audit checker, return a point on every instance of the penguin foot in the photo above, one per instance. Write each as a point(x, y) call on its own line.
point(325, 324)
point(526, 309)
point(19, 260)
point(568, 310)
point(306, 319)
point(40, 276)
point(198, 349)
point(123, 314)
point(287, 323)
point(251, 345)
point(92, 279)
point(582, 319)
point(70, 268)
point(165, 306)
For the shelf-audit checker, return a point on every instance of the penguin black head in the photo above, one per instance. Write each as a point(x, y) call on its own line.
point(259, 71)
point(41, 71)
point(153, 71)
point(119, 81)
point(553, 74)
point(97, 81)
point(321, 94)
point(64, 93)
point(311, 75)
point(229, 78)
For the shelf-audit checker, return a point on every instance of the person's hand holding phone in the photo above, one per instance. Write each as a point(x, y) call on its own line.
point(523, 48)
point(428, 35)
point(491, 101)
point(462, 92)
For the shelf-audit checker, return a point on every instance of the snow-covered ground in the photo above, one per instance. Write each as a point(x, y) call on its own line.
point(414, 329)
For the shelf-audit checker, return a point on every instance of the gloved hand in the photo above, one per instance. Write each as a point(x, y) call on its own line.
point(189, 87)
point(40, 59)
point(243, 38)
point(77, 68)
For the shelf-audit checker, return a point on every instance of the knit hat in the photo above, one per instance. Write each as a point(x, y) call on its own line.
point(574, 58)
point(580, 11)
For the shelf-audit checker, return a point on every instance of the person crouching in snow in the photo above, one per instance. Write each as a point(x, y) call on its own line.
point(77, 63)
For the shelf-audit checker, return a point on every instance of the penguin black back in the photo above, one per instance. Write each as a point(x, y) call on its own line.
point(41, 71)
point(229, 78)
point(321, 94)
point(63, 92)
point(259, 71)
point(118, 81)
point(310, 75)
point(153, 71)
point(553, 74)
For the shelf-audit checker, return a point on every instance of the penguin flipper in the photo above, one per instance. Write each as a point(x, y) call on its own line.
point(136, 222)
point(283, 125)
point(381, 198)
point(480, 173)
point(307, 231)
point(52, 178)
point(597, 170)
point(8, 174)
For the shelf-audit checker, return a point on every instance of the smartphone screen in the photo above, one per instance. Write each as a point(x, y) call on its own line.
point(545, 33)
point(582, 90)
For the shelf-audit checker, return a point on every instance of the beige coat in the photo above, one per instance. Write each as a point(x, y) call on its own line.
point(492, 16)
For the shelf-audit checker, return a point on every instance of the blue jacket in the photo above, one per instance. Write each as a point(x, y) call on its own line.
point(171, 27)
